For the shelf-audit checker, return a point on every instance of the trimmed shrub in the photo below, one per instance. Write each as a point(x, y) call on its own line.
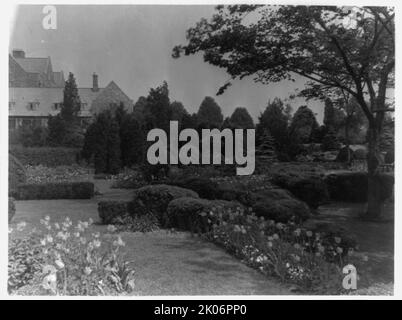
point(360, 154)
point(194, 214)
point(282, 210)
point(110, 211)
point(154, 199)
point(55, 190)
point(311, 189)
point(206, 188)
point(11, 208)
point(50, 157)
point(16, 174)
point(353, 186)
point(343, 155)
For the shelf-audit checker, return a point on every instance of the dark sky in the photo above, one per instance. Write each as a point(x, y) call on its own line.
point(132, 45)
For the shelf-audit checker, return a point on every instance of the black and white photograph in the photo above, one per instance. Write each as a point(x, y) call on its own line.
point(201, 150)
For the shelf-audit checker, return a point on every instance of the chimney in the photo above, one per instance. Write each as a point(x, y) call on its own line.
point(95, 86)
point(18, 53)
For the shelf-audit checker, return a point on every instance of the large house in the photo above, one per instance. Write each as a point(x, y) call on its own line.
point(36, 92)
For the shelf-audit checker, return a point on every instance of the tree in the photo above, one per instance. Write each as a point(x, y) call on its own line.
point(132, 141)
point(275, 119)
point(351, 49)
point(71, 101)
point(177, 111)
point(64, 128)
point(102, 143)
point(333, 117)
point(157, 112)
point(241, 119)
point(209, 114)
point(266, 147)
point(303, 125)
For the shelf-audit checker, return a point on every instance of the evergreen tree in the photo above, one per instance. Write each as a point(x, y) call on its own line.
point(71, 101)
point(330, 141)
point(157, 112)
point(266, 147)
point(275, 119)
point(102, 143)
point(241, 119)
point(209, 114)
point(303, 125)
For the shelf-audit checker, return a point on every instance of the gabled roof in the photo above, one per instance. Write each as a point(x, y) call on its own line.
point(34, 65)
point(59, 78)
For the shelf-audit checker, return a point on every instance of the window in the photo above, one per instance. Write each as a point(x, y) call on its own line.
point(83, 106)
point(57, 105)
point(11, 105)
point(32, 106)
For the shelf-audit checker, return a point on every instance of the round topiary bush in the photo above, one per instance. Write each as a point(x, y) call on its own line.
point(344, 156)
point(11, 208)
point(282, 210)
point(192, 214)
point(360, 154)
point(308, 188)
point(154, 199)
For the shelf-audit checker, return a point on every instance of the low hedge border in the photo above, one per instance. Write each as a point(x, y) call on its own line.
point(55, 190)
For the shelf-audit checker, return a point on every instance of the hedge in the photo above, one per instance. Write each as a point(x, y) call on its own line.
point(110, 211)
point(154, 199)
point(11, 208)
point(308, 188)
point(16, 174)
point(353, 186)
point(55, 190)
point(46, 156)
point(194, 214)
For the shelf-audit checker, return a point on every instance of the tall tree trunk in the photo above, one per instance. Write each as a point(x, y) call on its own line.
point(374, 201)
point(347, 141)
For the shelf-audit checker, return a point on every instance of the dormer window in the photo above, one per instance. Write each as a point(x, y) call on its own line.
point(32, 106)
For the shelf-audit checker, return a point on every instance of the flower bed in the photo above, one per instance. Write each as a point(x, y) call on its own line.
point(312, 261)
point(68, 260)
point(45, 156)
point(42, 174)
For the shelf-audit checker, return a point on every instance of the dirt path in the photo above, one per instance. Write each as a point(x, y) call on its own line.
point(165, 263)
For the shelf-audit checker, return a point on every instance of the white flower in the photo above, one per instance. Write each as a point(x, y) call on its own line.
point(21, 226)
point(49, 238)
point(59, 264)
point(87, 271)
point(111, 228)
point(309, 234)
point(97, 243)
point(119, 242)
